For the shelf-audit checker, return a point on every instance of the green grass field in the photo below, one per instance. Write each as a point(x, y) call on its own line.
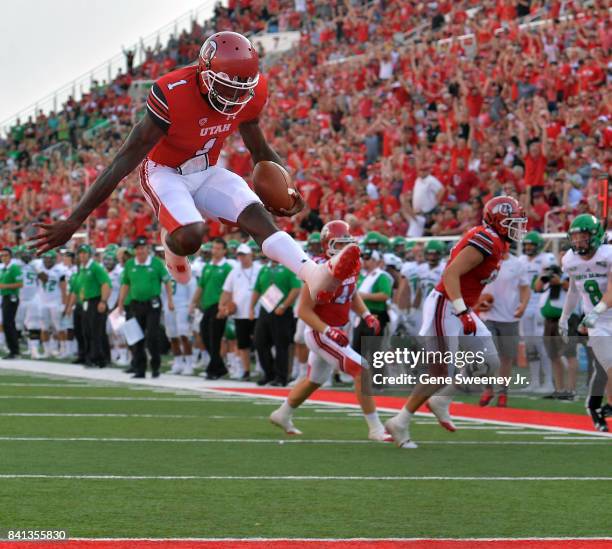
point(54, 427)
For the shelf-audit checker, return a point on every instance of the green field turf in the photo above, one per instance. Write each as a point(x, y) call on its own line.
point(86, 428)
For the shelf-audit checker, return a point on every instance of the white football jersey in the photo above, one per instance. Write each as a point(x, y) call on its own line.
point(115, 276)
point(181, 293)
point(30, 282)
point(410, 271)
point(533, 267)
point(49, 291)
point(428, 277)
point(590, 277)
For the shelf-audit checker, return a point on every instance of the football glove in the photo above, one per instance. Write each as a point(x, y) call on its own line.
point(469, 324)
point(337, 336)
point(372, 323)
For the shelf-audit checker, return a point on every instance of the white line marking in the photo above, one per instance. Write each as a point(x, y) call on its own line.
point(295, 477)
point(59, 385)
point(293, 440)
point(526, 432)
point(585, 437)
point(129, 399)
point(24, 414)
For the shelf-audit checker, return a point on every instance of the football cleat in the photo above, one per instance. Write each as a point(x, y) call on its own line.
point(599, 420)
point(379, 435)
point(606, 410)
point(327, 277)
point(439, 406)
point(502, 400)
point(284, 422)
point(486, 397)
point(401, 435)
point(177, 265)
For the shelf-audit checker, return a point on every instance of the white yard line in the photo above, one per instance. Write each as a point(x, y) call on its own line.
point(28, 414)
point(294, 440)
point(298, 477)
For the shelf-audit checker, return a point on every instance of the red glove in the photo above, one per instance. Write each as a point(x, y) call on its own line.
point(372, 323)
point(337, 336)
point(469, 325)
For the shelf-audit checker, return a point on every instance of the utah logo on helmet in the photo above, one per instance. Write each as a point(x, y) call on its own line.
point(228, 71)
point(505, 216)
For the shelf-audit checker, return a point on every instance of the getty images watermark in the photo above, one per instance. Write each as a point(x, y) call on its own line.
point(402, 362)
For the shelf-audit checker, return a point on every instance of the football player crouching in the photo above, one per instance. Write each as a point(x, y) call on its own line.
point(328, 343)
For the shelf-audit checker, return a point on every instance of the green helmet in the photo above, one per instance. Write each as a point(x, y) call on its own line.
point(253, 245)
point(586, 223)
point(207, 247)
point(111, 249)
point(535, 238)
point(435, 246)
point(398, 241)
point(375, 240)
point(51, 254)
point(233, 243)
point(385, 243)
point(314, 238)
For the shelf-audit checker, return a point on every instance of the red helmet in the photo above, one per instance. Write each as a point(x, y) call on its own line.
point(506, 217)
point(228, 71)
point(334, 236)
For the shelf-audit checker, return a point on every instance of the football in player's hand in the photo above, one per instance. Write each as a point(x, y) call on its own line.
point(273, 185)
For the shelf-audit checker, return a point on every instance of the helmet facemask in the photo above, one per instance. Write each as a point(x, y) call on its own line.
point(516, 228)
point(337, 243)
point(581, 242)
point(228, 96)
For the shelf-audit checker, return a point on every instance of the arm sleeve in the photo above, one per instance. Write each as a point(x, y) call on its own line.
point(102, 276)
point(295, 281)
point(157, 107)
point(258, 283)
point(383, 284)
point(482, 242)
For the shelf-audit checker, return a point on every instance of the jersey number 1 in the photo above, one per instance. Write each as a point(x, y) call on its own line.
point(206, 149)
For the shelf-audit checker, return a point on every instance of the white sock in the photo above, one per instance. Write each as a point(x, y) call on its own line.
point(33, 345)
point(403, 417)
point(2, 339)
point(47, 347)
point(373, 421)
point(282, 248)
point(286, 409)
point(534, 371)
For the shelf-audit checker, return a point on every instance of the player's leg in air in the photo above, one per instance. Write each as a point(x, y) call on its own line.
point(328, 344)
point(449, 324)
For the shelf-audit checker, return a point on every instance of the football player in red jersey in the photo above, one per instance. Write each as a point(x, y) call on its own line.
point(328, 342)
point(448, 320)
point(190, 112)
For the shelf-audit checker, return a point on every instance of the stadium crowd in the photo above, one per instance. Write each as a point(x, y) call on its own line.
point(387, 114)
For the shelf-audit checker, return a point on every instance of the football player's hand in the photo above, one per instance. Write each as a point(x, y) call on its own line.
point(337, 336)
point(298, 206)
point(170, 305)
point(520, 311)
point(43, 277)
point(590, 319)
point(469, 324)
point(52, 235)
point(372, 323)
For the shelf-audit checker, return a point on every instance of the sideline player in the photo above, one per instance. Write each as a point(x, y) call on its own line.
point(447, 312)
point(190, 112)
point(589, 267)
point(328, 342)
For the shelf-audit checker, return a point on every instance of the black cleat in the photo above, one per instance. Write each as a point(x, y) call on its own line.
point(606, 410)
point(599, 420)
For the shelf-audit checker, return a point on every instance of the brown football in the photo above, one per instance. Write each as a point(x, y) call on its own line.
point(273, 185)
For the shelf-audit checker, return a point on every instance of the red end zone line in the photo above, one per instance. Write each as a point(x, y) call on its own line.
point(535, 418)
point(529, 543)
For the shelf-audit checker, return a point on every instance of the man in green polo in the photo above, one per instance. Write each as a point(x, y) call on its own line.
point(11, 280)
point(276, 289)
point(94, 288)
point(141, 284)
point(206, 297)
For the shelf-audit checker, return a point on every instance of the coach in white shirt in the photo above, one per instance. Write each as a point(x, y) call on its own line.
point(236, 300)
point(503, 302)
